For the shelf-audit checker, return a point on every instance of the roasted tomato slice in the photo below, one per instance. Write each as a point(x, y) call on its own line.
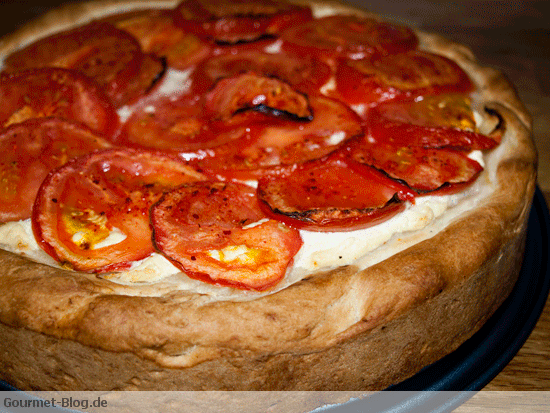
point(250, 91)
point(348, 36)
point(61, 93)
point(231, 21)
point(382, 127)
point(273, 141)
point(402, 76)
point(156, 32)
point(305, 73)
point(32, 149)
point(423, 169)
point(92, 214)
point(334, 194)
point(151, 72)
point(175, 124)
point(216, 232)
point(448, 110)
point(112, 57)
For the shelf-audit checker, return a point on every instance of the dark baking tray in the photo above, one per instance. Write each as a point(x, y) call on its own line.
point(444, 385)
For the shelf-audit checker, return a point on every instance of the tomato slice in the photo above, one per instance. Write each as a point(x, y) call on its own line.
point(32, 149)
point(382, 128)
point(112, 57)
point(402, 76)
point(175, 124)
point(205, 229)
point(332, 194)
point(250, 91)
point(452, 110)
point(231, 21)
point(92, 214)
point(423, 169)
point(156, 32)
point(151, 72)
point(275, 141)
point(61, 93)
point(305, 73)
point(348, 36)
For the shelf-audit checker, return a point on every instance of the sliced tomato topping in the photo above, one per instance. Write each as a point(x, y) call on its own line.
point(175, 124)
point(250, 91)
point(61, 93)
point(334, 194)
point(92, 214)
point(275, 141)
point(32, 149)
point(395, 132)
point(348, 36)
point(216, 232)
point(305, 73)
point(156, 32)
point(151, 72)
point(231, 21)
point(402, 76)
point(447, 110)
point(112, 57)
point(423, 169)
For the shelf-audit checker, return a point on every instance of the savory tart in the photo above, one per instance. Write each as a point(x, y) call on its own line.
point(250, 195)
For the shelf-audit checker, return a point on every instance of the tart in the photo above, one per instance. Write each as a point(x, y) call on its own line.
point(344, 288)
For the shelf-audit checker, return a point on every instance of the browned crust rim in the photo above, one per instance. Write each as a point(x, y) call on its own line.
point(180, 330)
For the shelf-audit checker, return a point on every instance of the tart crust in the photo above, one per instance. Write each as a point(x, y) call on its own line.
point(340, 330)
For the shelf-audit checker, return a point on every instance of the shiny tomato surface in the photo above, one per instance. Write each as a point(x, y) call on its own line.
point(111, 57)
point(348, 36)
point(92, 214)
point(402, 76)
point(333, 194)
point(274, 141)
point(157, 34)
point(217, 233)
point(422, 169)
point(61, 93)
point(232, 21)
point(30, 150)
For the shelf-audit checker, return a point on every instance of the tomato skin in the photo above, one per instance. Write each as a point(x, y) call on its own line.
point(82, 203)
point(422, 169)
point(238, 21)
point(30, 151)
point(111, 57)
point(382, 129)
point(449, 110)
point(249, 91)
point(196, 224)
point(156, 33)
point(331, 194)
point(398, 77)
point(151, 72)
point(348, 36)
point(271, 142)
point(304, 73)
point(61, 93)
point(178, 124)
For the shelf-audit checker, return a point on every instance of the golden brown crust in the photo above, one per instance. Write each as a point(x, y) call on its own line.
point(362, 329)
